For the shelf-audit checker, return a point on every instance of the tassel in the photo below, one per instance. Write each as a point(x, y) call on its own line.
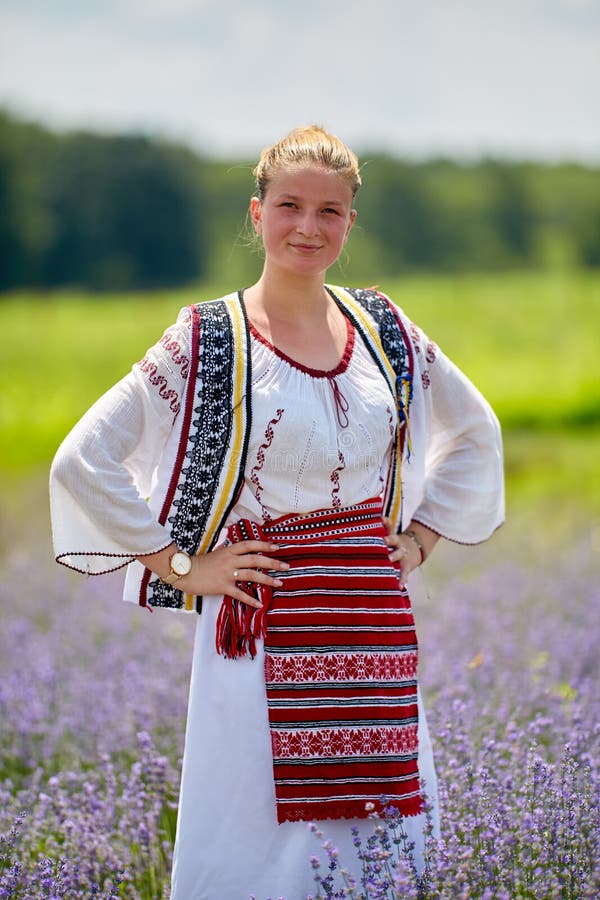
point(238, 624)
point(405, 400)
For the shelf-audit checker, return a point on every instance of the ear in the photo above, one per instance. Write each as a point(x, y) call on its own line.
point(351, 222)
point(256, 214)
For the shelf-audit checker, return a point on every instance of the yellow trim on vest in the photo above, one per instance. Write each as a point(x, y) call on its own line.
point(396, 508)
point(235, 450)
point(349, 301)
point(358, 311)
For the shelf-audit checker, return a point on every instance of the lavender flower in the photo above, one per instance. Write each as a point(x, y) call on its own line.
point(91, 737)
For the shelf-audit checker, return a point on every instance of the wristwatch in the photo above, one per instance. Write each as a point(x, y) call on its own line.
point(181, 564)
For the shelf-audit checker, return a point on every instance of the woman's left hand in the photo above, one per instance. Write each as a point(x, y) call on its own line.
point(403, 550)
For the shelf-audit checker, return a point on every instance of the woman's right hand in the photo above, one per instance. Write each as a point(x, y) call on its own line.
point(224, 569)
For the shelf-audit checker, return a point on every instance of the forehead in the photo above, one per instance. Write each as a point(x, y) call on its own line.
point(310, 182)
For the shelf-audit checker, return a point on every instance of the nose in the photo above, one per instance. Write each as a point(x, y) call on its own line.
point(308, 224)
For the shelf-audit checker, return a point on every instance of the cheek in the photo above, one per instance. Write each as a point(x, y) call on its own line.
point(275, 227)
point(339, 232)
point(272, 237)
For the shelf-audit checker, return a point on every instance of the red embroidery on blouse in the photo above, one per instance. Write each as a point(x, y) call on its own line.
point(391, 421)
point(431, 352)
point(260, 457)
point(151, 370)
point(415, 336)
point(314, 373)
point(335, 479)
point(174, 349)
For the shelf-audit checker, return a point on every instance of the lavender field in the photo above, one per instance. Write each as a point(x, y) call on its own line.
point(92, 729)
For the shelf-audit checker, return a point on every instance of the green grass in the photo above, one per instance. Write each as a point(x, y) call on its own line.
point(529, 341)
point(62, 351)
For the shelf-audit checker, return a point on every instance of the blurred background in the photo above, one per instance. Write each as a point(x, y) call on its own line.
point(128, 134)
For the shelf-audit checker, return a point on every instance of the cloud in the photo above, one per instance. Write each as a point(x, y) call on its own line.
point(460, 76)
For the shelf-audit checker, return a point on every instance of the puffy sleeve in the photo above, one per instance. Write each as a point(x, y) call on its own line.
point(455, 480)
point(103, 471)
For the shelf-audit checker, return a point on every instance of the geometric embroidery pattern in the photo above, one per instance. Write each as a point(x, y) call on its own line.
point(340, 662)
point(208, 441)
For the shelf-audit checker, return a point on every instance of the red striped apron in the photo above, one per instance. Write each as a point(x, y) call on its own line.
point(340, 665)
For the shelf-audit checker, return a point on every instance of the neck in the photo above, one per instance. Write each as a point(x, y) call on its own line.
point(288, 297)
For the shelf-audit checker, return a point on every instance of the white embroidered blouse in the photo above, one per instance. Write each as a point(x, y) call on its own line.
point(317, 439)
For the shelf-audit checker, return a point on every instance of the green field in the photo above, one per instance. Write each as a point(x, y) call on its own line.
point(529, 341)
point(508, 629)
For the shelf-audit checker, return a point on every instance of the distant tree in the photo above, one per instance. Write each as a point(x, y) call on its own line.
point(119, 212)
point(588, 237)
point(228, 188)
point(126, 213)
point(398, 210)
point(24, 224)
point(13, 251)
point(510, 209)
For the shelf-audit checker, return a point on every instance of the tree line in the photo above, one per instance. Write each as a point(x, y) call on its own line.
point(128, 211)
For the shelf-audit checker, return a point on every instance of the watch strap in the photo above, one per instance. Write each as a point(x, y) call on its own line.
point(171, 578)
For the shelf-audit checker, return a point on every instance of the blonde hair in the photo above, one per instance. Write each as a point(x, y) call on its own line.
point(310, 144)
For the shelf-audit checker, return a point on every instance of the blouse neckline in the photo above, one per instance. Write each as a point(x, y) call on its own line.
point(314, 373)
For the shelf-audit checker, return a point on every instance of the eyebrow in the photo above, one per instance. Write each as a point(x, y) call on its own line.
point(325, 202)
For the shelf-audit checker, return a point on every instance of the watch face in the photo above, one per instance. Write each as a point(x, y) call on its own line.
point(181, 563)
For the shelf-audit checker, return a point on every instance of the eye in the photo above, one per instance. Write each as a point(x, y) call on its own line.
point(331, 210)
point(289, 204)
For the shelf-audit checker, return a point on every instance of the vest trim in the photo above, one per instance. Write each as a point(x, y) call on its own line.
point(215, 430)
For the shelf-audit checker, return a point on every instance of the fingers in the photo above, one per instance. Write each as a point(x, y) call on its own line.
point(256, 576)
point(252, 565)
point(403, 556)
point(258, 561)
point(403, 550)
point(253, 547)
point(229, 567)
point(239, 594)
point(399, 546)
point(250, 555)
point(405, 570)
point(245, 576)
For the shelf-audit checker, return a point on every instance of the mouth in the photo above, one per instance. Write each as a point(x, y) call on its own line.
point(307, 248)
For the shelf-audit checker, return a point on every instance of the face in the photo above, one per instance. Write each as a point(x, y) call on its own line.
point(304, 219)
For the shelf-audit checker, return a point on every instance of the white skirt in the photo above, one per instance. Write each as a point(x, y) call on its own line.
point(229, 845)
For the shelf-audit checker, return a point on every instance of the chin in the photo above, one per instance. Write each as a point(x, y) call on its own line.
point(310, 265)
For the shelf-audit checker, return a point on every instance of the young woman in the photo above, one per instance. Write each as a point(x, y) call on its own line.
point(303, 447)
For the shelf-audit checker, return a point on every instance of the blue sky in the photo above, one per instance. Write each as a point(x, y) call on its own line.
point(460, 77)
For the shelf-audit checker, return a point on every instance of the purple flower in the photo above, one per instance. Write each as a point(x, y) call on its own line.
point(92, 736)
